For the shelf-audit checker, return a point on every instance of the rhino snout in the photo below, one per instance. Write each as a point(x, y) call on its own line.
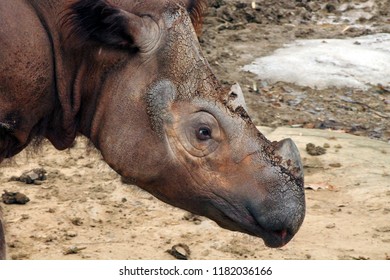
point(278, 217)
point(278, 207)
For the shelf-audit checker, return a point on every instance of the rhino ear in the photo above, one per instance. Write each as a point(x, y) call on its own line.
point(101, 22)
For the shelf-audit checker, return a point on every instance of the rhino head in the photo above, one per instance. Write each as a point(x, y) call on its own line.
point(162, 119)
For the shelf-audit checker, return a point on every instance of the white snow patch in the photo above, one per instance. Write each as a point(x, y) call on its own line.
point(355, 62)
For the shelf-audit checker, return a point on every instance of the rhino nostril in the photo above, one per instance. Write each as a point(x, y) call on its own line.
point(281, 233)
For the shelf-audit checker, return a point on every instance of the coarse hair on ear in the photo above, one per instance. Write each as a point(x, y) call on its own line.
point(99, 21)
point(197, 9)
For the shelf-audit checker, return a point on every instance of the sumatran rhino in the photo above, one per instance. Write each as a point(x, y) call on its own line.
point(131, 77)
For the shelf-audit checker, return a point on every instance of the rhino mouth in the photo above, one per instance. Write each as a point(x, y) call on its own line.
point(274, 236)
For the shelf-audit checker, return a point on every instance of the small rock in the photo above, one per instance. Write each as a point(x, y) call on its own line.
point(192, 218)
point(76, 221)
point(333, 225)
point(20, 256)
point(336, 164)
point(180, 251)
point(14, 198)
point(206, 253)
point(25, 216)
point(73, 250)
point(360, 258)
point(34, 176)
point(71, 234)
point(330, 8)
point(49, 239)
point(314, 150)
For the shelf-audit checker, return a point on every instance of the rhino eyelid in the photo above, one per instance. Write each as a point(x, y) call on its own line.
point(203, 111)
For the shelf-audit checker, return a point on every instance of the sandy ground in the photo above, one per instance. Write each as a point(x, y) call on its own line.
point(84, 211)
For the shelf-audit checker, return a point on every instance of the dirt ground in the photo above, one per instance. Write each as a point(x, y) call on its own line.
point(84, 211)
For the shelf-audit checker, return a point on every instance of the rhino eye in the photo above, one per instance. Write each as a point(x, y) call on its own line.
point(203, 133)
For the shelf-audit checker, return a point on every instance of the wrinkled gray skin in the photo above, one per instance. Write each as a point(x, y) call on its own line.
point(148, 100)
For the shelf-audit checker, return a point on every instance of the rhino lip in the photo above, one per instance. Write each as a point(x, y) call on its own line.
point(247, 223)
point(273, 236)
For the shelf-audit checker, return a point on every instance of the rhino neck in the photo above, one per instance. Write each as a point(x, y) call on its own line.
point(60, 128)
point(77, 78)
